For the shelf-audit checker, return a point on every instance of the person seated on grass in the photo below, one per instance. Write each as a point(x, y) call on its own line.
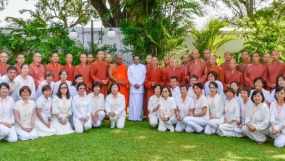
point(77, 79)
point(25, 113)
point(231, 114)
point(277, 118)
point(199, 116)
point(212, 77)
point(184, 105)
point(61, 110)
point(244, 104)
point(260, 84)
point(216, 107)
point(115, 107)
point(81, 109)
point(97, 101)
point(174, 88)
point(7, 128)
point(48, 81)
point(167, 111)
point(257, 118)
point(154, 105)
point(280, 81)
point(43, 124)
point(193, 79)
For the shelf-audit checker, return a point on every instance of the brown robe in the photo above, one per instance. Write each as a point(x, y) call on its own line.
point(273, 70)
point(219, 71)
point(3, 69)
point(18, 66)
point(252, 71)
point(37, 72)
point(70, 70)
point(225, 66)
point(99, 72)
point(199, 69)
point(85, 72)
point(175, 72)
point(55, 69)
point(233, 76)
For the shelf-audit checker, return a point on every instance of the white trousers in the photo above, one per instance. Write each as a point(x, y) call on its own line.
point(180, 126)
point(279, 139)
point(118, 121)
point(24, 135)
point(153, 119)
point(164, 125)
point(194, 123)
point(259, 136)
point(238, 132)
point(8, 134)
point(227, 129)
point(136, 106)
point(101, 116)
point(212, 126)
point(80, 126)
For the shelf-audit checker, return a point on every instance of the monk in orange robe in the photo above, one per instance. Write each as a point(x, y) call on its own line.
point(207, 54)
point(90, 59)
point(54, 67)
point(3, 63)
point(255, 70)
point(266, 59)
point(108, 58)
point(37, 70)
point(99, 72)
point(197, 67)
point(69, 67)
point(233, 75)
point(118, 73)
point(20, 61)
point(145, 100)
point(84, 70)
point(274, 69)
point(174, 71)
point(245, 57)
point(154, 76)
point(226, 65)
point(214, 67)
point(167, 65)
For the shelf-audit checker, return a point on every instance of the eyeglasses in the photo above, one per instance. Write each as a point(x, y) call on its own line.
point(81, 88)
point(63, 87)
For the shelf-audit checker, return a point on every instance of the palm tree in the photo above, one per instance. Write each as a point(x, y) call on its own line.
point(210, 36)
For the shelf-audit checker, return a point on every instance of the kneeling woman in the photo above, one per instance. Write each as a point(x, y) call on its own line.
point(43, 124)
point(153, 105)
point(61, 110)
point(216, 104)
point(115, 107)
point(184, 105)
point(81, 109)
point(257, 118)
point(232, 115)
point(97, 102)
point(167, 111)
point(199, 116)
point(25, 113)
point(277, 118)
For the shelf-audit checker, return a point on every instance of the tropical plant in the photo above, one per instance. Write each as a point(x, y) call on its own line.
point(210, 36)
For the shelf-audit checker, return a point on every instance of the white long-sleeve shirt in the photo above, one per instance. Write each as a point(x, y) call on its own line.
point(115, 105)
point(28, 82)
point(232, 110)
point(216, 105)
point(184, 107)
point(81, 106)
point(14, 87)
point(61, 106)
point(277, 114)
point(6, 110)
point(167, 105)
point(152, 103)
point(97, 102)
point(136, 75)
point(258, 116)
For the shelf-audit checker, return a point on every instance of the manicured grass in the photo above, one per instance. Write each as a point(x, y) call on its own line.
point(138, 141)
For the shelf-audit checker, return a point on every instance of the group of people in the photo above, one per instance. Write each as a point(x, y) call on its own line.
point(197, 96)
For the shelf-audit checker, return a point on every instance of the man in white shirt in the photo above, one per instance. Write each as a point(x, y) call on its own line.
point(175, 91)
point(14, 84)
point(136, 76)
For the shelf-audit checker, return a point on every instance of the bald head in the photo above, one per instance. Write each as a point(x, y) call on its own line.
point(195, 54)
point(174, 63)
point(186, 58)
point(37, 57)
point(119, 59)
point(69, 59)
point(108, 58)
point(3, 57)
point(275, 55)
point(266, 58)
point(233, 64)
point(148, 59)
point(166, 61)
point(207, 54)
point(90, 58)
point(154, 61)
point(212, 60)
point(228, 56)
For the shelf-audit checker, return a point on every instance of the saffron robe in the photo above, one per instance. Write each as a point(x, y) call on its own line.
point(219, 71)
point(55, 69)
point(176, 72)
point(252, 71)
point(85, 72)
point(37, 72)
point(199, 69)
point(70, 70)
point(233, 76)
point(99, 72)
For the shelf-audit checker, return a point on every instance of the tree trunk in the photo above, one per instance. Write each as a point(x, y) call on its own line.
point(102, 11)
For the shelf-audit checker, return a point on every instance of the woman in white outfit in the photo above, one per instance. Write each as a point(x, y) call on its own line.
point(213, 77)
point(77, 79)
point(25, 114)
point(167, 111)
point(260, 84)
point(115, 107)
point(277, 118)
point(98, 102)
point(63, 79)
point(257, 119)
point(48, 81)
point(216, 107)
point(61, 110)
point(244, 104)
point(153, 105)
point(26, 80)
point(43, 124)
point(231, 114)
point(7, 128)
point(199, 117)
point(280, 81)
point(81, 109)
point(184, 105)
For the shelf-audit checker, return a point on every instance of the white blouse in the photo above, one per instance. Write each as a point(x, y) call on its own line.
point(277, 114)
point(97, 102)
point(115, 105)
point(216, 105)
point(167, 105)
point(272, 97)
point(6, 110)
point(39, 93)
point(199, 104)
point(244, 109)
point(28, 82)
point(25, 111)
point(220, 88)
point(184, 107)
point(45, 106)
point(56, 86)
point(152, 103)
point(266, 94)
point(81, 106)
point(14, 87)
point(258, 116)
point(232, 110)
point(61, 106)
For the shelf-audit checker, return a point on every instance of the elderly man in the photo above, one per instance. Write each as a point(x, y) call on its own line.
point(3, 63)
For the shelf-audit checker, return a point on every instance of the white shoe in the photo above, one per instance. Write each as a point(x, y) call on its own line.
point(112, 124)
point(171, 129)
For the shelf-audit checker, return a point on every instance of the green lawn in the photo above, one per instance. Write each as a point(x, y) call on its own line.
point(138, 141)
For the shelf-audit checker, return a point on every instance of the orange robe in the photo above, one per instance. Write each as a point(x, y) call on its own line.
point(37, 72)
point(55, 69)
point(225, 66)
point(252, 71)
point(85, 72)
point(233, 76)
point(219, 71)
point(241, 67)
point(99, 72)
point(165, 68)
point(273, 70)
point(176, 72)
point(199, 69)
point(18, 66)
point(70, 70)
point(145, 110)
point(3, 69)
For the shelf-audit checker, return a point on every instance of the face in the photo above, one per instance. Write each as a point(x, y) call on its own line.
point(20, 59)
point(154, 61)
point(100, 55)
point(211, 78)
point(149, 59)
point(280, 95)
point(165, 92)
point(281, 82)
point(54, 58)
point(119, 59)
point(174, 63)
point(234, 86)
point(83, 58)
point(166, 60)
point(183, 91)
point(173, 83)
point(108, 58)
point(213, 89)
point(244, 94)
point(63, 76)
point(96, 89)
point(12, 74)
point(4, 91)
point(37, 57)
point(207, 54)
point(212, 60)
point(186, 58)
point(4, 57)
point(115, 89)
point(255, 58)
point(258, 84)
point(81, 89)
point(245, 56)
point(257, 98)
point(69, 58)
point(266, 58)
point(78, 80)
point(195, 54)
point(233, 64)
point(197, 90)
point(275, 55)
point(47, 93)
point(49, 79)
point(157, 91)
point(228, 56)
point(136, 60)
point(25, 94)
point(229, 95)
point(90, 58)
point(25, 69)
point(193, 81)
point(63, 89)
